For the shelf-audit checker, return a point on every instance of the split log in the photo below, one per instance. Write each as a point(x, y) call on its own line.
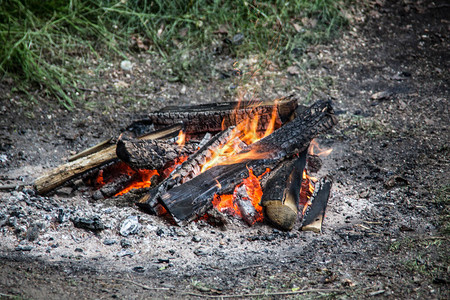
point(151, 154)
point(282, 192)
point(193, 198)
point(61, 174)
point(187, 170)
point(315, 212)
point(214, 117)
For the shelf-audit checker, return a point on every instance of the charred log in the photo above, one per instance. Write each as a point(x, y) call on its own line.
point(188, 169)
point(214, 117)
point(314, 214)
point(151, 154)
point(63, 173)
point(282, 192)
point(193, 198)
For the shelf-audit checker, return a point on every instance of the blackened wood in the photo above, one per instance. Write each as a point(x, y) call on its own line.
point(188, 169)
point(65, 172)
point(214, 117)
point(151, 154)
point(282, 192)
point(113, 187)
point(193, 198)
point(313, 216)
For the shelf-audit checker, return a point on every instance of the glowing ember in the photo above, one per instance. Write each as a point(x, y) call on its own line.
point(307, 189)
point(226, 203)
point(145, 181)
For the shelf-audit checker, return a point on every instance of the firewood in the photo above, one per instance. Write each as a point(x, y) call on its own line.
point(188, 169)
point(248, 212)
point(151, 154)
point(282, 192)
point(214, 117)
point(314, 214)
point(94, 149)
point(193, 198)
point(61, 174)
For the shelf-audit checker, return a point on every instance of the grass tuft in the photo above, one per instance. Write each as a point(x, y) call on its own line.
point(43, 41)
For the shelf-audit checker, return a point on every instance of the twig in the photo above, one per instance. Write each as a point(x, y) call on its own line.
point(248, 267)
point(112, 93)
point(145, 287)
point(14, 186)
point(9, 296)
point(267, 294)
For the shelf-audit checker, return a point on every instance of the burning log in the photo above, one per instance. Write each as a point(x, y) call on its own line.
point(61, 174)
point(282, 192)
point(151, 154)
point(215, 117)
point(315, 212)
point(193, 198)
point(248, 212)
point(187, 170)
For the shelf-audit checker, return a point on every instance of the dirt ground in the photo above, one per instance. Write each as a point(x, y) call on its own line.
point(386, 231)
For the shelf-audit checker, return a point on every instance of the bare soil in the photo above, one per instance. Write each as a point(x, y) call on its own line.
point(386, 229)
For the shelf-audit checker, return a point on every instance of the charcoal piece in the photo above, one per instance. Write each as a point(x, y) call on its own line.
point(130, 226)
point(94, 223)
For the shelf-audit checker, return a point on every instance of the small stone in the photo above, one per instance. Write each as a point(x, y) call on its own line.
point(163, 260)
point(139, 269)
point(126, 65)
point(238, 39)
point(124, 243)
point(383, 95)
point(200, 252)
point(94, 223)
point(24, 248)
point(130, 226)
point(63, 216)
point(109, 242)
point(125, 253)
point(196, 239)
point(79, 250)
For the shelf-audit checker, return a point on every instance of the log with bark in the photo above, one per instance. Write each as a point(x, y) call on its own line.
point(217, 116)
point(193, 198)
point(282, 192)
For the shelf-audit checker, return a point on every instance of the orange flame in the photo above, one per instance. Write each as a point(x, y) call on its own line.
point(181, 139)
point(314, 149)
point(307, 189)
point(145, 181)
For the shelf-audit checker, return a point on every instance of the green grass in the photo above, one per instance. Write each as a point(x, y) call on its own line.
point(46, 42)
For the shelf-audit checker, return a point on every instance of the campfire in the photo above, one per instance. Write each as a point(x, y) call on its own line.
point(247, 159)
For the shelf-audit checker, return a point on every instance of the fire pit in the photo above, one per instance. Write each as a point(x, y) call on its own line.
point(247, 159)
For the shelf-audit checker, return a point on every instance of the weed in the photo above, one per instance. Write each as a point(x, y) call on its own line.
point(47, 42)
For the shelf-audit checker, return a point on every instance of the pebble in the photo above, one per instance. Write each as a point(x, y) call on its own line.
point(196, 239)
point(109, 242)
point(139, 269)
point(24, 248)
point(93, 223)
point(130, 226)
point(126, 65)
point(124, 243)
point(123, 253)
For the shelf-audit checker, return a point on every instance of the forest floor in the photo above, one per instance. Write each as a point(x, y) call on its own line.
point(386, 231)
